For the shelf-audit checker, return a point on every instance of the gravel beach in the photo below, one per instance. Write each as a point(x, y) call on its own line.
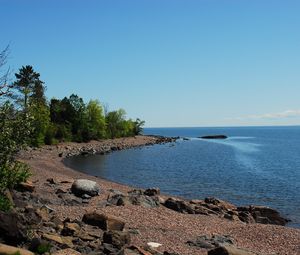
point(171, 229)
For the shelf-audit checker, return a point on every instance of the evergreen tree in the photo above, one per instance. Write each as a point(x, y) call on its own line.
point(27, 85)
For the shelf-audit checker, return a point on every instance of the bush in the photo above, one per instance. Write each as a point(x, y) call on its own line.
point(15, 130)
point(12, 174)
point(5, 204)
point(43, 248)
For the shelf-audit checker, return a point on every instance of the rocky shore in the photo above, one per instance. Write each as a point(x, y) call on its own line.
point(61, 211)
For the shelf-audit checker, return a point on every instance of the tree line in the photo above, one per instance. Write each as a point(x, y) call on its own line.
point(28, 118)
point(67, 119)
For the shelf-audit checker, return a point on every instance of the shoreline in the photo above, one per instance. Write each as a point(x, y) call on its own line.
point(172, 229)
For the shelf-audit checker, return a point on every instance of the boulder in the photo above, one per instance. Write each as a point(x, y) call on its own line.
point(8, 250)
point(69, 199)
point(81, 187)
point(134, 197)
point(134, 250)
point(261, 214)
point(229, 250)
point(111, 250)
point(246, 217)
point(118, 199)
point(103, 221)
point(267, 215)
point(179, 205)
point(117, 239)
point(152, 192)
point(223, 205)
point(92, 231)
point(13, 228)
point(145, 201)
point(64, 241)
point(44, 212)
point(70, 228)
point(206, 242)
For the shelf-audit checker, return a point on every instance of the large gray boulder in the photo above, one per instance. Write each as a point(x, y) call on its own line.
point(82, 187)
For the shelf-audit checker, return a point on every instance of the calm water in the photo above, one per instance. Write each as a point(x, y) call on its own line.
point(257, 165)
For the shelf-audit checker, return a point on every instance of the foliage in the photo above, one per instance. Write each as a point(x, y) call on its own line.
point(5, 204)
point(43, 248)
point(115, 123)
point(95, 120)
point(14, 133)
point(26, 118)
point(28, 85)
point(40, 122)
point(138, 127)
point(15, 130)
point(16, 253)
point(69, 119)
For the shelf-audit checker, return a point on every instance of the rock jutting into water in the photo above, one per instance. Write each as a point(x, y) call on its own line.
point(110, 146)
point(213, 137)
point(208, 206)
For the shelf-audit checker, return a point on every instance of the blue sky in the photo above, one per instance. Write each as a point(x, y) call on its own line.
point(169, 62)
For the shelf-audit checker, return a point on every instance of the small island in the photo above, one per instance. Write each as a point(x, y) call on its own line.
point(214, 137)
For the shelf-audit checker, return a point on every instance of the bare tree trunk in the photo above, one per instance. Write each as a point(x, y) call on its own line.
point(4, 87)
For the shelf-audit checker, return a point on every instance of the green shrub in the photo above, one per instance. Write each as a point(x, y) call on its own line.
point(43, 248)
point(5, 204)
point(13, 173)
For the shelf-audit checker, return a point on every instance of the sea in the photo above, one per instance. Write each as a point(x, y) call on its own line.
point(253, 166)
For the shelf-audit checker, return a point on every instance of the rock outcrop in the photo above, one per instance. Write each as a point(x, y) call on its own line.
point(213, 137)
point(207, 242)
point(247, 214)
point(135, 197)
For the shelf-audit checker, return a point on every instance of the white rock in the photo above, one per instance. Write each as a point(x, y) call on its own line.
point(154, 245)
point(81, 187)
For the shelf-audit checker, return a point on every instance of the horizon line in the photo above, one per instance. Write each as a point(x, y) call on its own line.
point(298, 125)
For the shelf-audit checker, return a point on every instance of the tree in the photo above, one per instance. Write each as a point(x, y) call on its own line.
point(60, 127)
point(27, 85)
point(40, 122)
point(38, 93)
point(69, 115)
point(138, 126)
point(95, 120)
point(4, 86)
point(13, 137)
point(29, 93)
point(115, 123)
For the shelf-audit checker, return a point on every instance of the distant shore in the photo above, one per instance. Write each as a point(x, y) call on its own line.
point(171, 229)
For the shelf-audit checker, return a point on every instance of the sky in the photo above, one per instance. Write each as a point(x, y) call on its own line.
point(172, 63)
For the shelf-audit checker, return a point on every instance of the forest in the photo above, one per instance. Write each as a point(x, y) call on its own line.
point(28, 118)
point(67, 119)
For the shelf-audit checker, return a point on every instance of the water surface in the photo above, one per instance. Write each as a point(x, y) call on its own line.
point(255, 165)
